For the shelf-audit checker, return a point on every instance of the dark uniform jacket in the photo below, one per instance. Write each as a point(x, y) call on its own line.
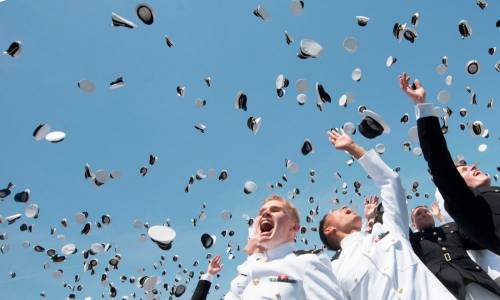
point(443, 250)
point(476, 211)
point(201, 291)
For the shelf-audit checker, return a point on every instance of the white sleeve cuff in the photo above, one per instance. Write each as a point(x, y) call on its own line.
point(424, 110)
point(207, 277)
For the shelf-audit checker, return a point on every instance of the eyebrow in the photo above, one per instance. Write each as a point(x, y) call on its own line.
point(272, 208)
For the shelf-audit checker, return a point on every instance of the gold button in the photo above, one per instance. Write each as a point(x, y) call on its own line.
point(434, 233)
point(478, 268)
point(255, 282)
point(452, 231)
point(400, 290)
point(440, 239)
point(444, 248)
point(422, 238)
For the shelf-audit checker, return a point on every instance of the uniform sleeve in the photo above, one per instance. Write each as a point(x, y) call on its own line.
point(391, 192)
point(319, 282)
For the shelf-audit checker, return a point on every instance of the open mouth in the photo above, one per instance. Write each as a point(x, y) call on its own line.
point(266, 226)
point(476, 173)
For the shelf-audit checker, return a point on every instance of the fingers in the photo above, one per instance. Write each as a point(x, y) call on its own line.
point(417, 83)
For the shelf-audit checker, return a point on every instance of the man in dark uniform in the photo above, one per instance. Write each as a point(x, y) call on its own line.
point(468, 195)
point(443, 250)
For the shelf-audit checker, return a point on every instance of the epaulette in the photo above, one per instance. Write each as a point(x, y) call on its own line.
point(312, 251)
point(337, 254)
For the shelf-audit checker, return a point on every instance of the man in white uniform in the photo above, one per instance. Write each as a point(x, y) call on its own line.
point(281, 273)
point(381, 264)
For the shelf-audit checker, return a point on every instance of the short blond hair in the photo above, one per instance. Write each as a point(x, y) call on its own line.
point(290, 209)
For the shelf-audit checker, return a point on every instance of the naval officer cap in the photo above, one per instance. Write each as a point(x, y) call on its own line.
point(145, 13)
point(162, 235)
point(372, 125)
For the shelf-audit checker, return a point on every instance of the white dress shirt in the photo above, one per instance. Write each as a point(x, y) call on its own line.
point(382, 265)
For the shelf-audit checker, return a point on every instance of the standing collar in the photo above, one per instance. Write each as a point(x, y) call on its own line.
point(350, 240)
point(280, 251)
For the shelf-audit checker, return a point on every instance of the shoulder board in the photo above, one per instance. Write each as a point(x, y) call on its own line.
point(312, 251)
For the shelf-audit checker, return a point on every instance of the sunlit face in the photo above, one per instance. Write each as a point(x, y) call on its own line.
point(343, 220)
point(275, 226)
point(422, 218)
point(473, 177)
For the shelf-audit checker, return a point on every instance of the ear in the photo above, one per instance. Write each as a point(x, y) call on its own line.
point(330, 230)
point(296, 227)
point(414, 226)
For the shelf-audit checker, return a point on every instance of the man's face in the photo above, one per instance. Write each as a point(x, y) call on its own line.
point(473, 177)
point(274, 225)
point(422, 218)
point(344, 220)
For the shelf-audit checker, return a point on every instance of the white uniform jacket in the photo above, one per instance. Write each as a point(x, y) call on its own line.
point(382, 265)
point(284, 275)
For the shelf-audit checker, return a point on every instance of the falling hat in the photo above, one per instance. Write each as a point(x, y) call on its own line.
point(208, 240)
point(249, 187)
point(362, 20)
point(260, 12)
point(288, 38)
point(390, 61)
point(169, 42)
point(472, 67)
point(179, 290)
point(307, 147)
point(415, 18)
point(119, 21)
point(350, 44)
point(241, 101)
point(14, 49)
point(309, 49)
point(55, 136)
point(117, 83)
point(356, 74)
point(410, 34)
point(322, 93)
point(41, 131)
point(145, 13)
point(372, 125)
point(162, 235)
point(464, 29)
point(31, 211)
point(86, 85)
point(23, 196)
point(254, 124)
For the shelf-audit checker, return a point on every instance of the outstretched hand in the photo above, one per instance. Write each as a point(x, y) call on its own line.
point(416, 91)
point(340, 141)
point(215, 266)
point(371, 204)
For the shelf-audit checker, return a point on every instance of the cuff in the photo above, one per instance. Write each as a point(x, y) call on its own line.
point(368, 156)
point(424, 110)
point(207, 277)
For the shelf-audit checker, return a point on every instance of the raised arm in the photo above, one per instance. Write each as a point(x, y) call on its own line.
point(445, 175)
point(391, 190)
point(214, 267)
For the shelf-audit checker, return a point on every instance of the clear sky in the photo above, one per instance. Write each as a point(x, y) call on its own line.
point(67, 41)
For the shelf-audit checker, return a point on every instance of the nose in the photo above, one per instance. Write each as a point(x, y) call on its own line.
point(266, 214)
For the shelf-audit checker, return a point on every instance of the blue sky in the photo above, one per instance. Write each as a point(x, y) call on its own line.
point(67, 41)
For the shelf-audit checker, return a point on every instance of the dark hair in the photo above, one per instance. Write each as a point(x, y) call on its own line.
point(323, 237)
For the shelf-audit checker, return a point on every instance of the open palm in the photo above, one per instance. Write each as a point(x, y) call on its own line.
point(340, 141)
